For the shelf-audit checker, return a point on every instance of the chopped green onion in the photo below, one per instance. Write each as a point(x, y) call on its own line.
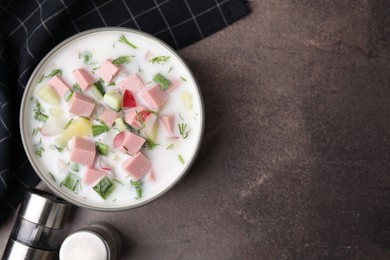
point(54, 147)
point(36, 131)
point(75, 167)
point(160, 59)
point(180, 158)
point(121, 60)
point(38, 148)
point(76, 88)
point(102, 148)
point(86, 56)
point(40, 117)
point(182, 130)
point(138, 188)
point(68, 124)
point(170, 147)
point(71, 181)
point(118, 181)
point(104, 187)
point(68, 95)
point(123, 39)
point(161, 80)
point(99, 129)
point(54, 73)
point(52, 176)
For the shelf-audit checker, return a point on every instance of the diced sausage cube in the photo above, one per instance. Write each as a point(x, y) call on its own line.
point(132, 83)
point(168, 122)
point(131, 116)
point(82, 150)
point(83, 78)
point(131, 143)
point(137, 166)
point(108, 70)
point(108, 116)
point(92, 175)
point(155, 97)
point(59, 85)
point(174, 84)
point(81, 105)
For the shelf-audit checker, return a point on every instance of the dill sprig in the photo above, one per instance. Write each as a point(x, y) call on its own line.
point(123, 39)
point(160, 59)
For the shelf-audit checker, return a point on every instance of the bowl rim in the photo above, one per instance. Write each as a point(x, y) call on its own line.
point(28, 89)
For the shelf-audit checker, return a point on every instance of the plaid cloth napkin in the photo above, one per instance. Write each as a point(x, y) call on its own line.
point(30, 28)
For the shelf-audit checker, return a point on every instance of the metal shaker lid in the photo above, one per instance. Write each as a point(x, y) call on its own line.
point(44, 209)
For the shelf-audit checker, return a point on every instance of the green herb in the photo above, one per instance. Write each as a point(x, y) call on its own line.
point(42, 77)
point(170, 147)
point(104, 187)
point(170, 69)
point(180, 158)
point(68, 124)
point(123, 39)
point(160, 59)
point(38, 148)
point(54, 147)
point(149, 144)
point(40, 117)
point(102, 148)
point(182, 78)
point(99, 86)
point(76, 88)
point(86, 56)
point(161, 80)
point(118, 181)
point(52, 176)
point(75, 167)
point(99, 129)
point(39, 113)
point(111, 84)
point(138, 188)
point(121, 60)
point(140, 119)
point(182, 130)
point(68, 95)
point(181, 117)
point(36, 131)
point(53, 73)
point(140, 70)
point(71, 181)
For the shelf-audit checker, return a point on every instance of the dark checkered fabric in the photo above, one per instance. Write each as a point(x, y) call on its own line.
point(30, 28)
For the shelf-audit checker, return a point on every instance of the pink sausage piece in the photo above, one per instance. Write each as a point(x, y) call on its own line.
point(91, 175)
point(131, 117)
point(108, 70)
point(168, 122)
point(83, 78)
point(155, 97)
point(81, 105)
point(82, 150)
point(59, 85)
point(108, 116)
point(137, 166)
point(133, 83)
point(128, 142)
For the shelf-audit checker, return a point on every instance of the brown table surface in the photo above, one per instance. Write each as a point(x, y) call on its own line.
point(296, 154)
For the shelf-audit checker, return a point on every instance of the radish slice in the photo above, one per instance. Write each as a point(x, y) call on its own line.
point(118, 140)
point(128, 100)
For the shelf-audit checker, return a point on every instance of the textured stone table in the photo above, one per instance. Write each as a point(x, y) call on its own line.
point(295, 163)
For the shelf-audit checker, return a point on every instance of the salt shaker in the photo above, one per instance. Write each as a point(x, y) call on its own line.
point(99, 241)
point(38, 228)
